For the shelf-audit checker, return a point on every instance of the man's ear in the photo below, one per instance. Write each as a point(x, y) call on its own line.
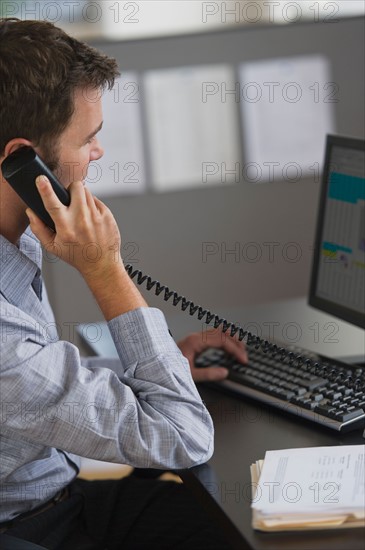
point(15, 144)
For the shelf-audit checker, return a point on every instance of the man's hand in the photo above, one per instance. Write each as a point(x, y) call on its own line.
point(88, 238)
point(87, 235)
point(195, 343)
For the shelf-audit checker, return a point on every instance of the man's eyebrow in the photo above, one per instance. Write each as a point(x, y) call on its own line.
point(94, 133)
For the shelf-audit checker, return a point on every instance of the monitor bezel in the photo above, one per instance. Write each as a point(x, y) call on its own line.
point(342, 312)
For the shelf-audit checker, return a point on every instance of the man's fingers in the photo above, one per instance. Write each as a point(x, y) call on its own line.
point(219, 339)
point(100, 205)
point(209, 374)
point(40, 230)
point(235, 348)
point(90, 200)
point(50, 200)
point(78, 192)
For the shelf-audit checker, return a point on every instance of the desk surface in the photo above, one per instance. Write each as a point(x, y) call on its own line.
point(244, 430)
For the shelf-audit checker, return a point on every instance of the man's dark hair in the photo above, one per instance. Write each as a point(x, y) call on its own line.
point(40, 68)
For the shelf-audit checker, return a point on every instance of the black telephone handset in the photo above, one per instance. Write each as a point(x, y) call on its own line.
point(20, 169)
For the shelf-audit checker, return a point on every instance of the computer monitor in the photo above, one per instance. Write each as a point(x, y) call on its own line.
point(338, 270)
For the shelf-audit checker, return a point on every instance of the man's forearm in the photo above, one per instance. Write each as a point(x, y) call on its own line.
point(115, 292)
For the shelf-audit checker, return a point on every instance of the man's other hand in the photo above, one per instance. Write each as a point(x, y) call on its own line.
point(196, 343)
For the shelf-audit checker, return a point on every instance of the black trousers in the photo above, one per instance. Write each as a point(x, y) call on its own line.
point(125, 514)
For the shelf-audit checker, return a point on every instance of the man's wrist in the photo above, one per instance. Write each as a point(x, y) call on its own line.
point(113, 290)
point(102, 273)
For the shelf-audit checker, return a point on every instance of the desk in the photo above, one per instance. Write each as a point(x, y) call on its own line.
point(244, 430)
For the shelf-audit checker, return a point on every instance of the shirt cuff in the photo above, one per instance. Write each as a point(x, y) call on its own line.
point(140, 334)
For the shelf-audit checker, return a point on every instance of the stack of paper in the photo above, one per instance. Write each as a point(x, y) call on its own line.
point(310, 488)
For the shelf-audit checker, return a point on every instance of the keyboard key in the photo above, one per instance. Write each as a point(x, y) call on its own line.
point(309, 404)
point(325, 410)
point(345, 417)
point(314, 383)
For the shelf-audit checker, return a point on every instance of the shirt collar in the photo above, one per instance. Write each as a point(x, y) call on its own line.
point(20, 266)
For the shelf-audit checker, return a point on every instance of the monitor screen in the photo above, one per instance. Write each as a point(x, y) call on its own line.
point(338, 270)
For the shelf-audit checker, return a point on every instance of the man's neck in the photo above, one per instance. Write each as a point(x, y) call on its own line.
point(12, 236)
point(13, 220)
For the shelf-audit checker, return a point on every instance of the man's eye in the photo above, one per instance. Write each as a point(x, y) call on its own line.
point(90, 140)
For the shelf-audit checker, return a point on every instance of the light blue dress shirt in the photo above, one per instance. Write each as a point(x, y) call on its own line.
point(143, 410)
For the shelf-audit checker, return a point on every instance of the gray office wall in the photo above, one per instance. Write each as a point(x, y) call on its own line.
point(271, 224)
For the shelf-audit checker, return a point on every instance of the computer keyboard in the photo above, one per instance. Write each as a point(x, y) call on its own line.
point(331, 399)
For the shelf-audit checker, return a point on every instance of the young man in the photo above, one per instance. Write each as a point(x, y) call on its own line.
point(143, 410)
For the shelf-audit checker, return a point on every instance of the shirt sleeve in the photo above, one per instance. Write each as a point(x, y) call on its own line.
point(143, 410)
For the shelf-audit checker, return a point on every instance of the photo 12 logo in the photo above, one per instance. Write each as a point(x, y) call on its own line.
point(269, 12)
point(70, 11)
point(271, 92)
